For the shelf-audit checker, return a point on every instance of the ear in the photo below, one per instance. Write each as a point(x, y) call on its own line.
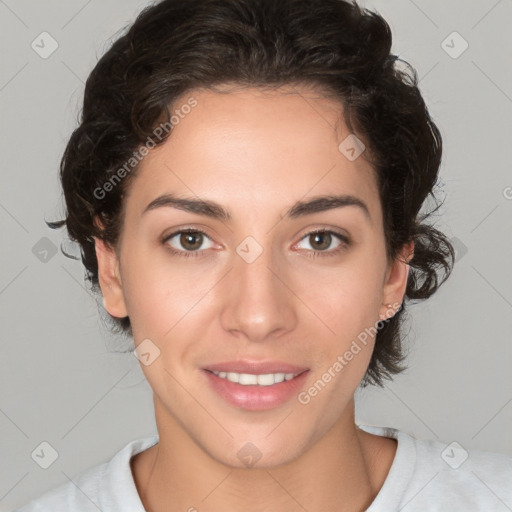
point(395, 281)
point(109, 279)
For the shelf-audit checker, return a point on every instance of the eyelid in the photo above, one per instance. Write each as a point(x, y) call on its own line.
point(185, 229)
point(327, 229)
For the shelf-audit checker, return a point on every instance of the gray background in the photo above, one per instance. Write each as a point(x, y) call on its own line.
point(61, 381)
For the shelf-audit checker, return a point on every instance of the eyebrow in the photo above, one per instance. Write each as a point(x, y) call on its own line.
point(214, 210)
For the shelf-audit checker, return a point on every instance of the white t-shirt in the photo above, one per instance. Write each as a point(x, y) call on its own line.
point(425, 475)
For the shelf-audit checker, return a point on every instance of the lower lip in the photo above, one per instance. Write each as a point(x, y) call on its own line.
point(256, 398)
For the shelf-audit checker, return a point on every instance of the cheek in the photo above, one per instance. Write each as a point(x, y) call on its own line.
point(160, 294)
point(344, 352)
point(147, 291)
point(163, 309)
point(347, 299)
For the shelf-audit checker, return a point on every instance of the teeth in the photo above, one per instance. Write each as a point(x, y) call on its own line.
point(247, 379)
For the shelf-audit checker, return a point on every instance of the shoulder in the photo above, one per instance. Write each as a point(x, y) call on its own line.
point(80, 494)
point(471, 479)
point(430, 475)
point(106, 487)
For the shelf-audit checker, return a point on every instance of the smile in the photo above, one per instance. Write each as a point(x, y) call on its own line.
point(248, 379)
point(255, 392)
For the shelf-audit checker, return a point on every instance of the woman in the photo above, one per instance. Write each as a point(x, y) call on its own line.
point(245, 186)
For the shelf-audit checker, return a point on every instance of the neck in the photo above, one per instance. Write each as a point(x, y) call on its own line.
point(344, 470)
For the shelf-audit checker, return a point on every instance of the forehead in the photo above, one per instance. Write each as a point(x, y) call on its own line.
point(255, 149)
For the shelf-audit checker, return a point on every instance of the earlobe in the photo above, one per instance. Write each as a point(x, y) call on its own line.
point(109, 279)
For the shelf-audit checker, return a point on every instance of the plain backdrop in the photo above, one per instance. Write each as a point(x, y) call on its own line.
point(62, 381)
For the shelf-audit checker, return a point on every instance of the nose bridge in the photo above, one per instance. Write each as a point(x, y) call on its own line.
point(257, 302)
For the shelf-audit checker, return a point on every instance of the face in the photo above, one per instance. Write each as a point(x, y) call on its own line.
point(261, 276)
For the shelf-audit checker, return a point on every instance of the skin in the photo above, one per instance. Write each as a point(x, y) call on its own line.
point(256, 153)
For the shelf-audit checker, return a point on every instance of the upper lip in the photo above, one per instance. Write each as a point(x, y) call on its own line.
point(255, 367)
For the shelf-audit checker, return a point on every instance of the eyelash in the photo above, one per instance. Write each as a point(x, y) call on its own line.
point(345, 243)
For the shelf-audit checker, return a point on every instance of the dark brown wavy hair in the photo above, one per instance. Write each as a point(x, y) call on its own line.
point(175, 46)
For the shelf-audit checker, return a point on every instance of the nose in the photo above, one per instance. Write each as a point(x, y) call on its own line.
point(258, 300)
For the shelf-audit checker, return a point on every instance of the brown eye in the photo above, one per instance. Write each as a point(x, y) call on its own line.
point(187, 242)
point(320, 241)
point(191, 241)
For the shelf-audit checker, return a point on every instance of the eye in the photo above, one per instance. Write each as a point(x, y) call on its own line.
point(321, 239)
point(187, 242)
point(190, 241)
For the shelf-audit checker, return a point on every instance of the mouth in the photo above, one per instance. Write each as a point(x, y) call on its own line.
point(255, 386)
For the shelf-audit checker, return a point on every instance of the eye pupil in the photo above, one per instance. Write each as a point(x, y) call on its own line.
point(325, 236)
point(186, 237)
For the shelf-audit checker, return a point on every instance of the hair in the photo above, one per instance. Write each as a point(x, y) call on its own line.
point(176, 46)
